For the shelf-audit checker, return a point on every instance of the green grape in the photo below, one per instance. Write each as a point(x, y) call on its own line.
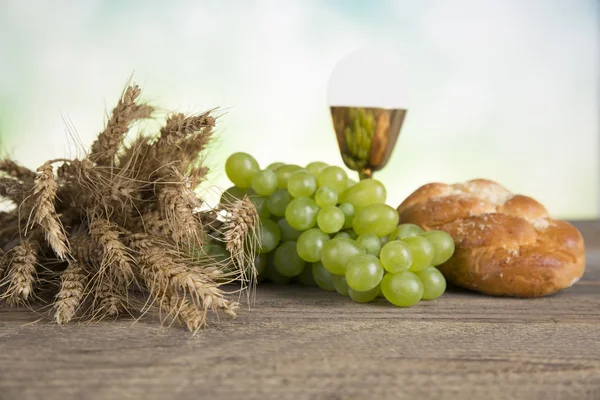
point(350, 183)
point(333, 177)
point(278, 201)
point(370, 242)
point(260, 202)
point(330, 219)
point(287, 232)
point(338, 252)
point(403, 289)
point(345, 235)
point(406, 230)
point(365, 193)
point(234, 193)
point(275, 165)
point(379, 219)
point(366, 296)
point(326, 197)
point(443, 246)
point(301, 213)
point(287, 261)
point(273, 275)
point(240, 168)
point(216, 252)
point(396, 256)
point(269, 235)
point(316, 167)
point(348, 210)
point(323, 278)
point(302, 184)
point(340, 284)
point(264, 182)
point(364, 272)
point(385, 239)
point(310, 245)
point(306, 277)
point(434, 283)
point(283, 174)
point(422, 252)
point(260, 263)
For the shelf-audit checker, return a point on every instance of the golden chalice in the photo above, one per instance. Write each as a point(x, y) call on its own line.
point(368, 107)
point(366, 136)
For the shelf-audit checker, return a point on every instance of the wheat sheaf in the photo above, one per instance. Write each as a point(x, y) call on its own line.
point(123, 230)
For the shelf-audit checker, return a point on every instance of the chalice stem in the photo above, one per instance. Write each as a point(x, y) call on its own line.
point(365, 174)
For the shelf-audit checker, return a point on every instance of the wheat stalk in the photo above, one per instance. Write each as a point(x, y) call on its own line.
point(110, 302)
point(242, 219)
point(155, 270)
point(239, 228)
point(110, 139)
point(73, 283)
point(163, 276)
point(178, 126)
point(190, 146)
point(3, 263)
point(115, 256)
point(241, 239)
point(179, 307)
point(90, 186)
point(21, 268)
point(130, 156)
point(178, 211)
point(152, 223)
point(84, 250)
point(189, 135)
point(44, 212)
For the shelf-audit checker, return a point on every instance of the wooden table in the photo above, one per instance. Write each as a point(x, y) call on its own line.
point(301, 343)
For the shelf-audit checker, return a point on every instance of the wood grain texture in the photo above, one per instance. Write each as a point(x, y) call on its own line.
point(300, 343)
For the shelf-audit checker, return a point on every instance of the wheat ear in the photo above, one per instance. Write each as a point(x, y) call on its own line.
point(73, 282)
point(156, 279)
point(177, 206)
point(116, 258)
point(110, 139)
point(189, 135)
point(21, 262)
point(44, 212)
point(163, 275)
point(109, 302)
point(239, 233)
point(242, 220)
point(178, 126)
point(179, 307)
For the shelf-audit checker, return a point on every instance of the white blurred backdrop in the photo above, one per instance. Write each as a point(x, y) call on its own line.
point(506, 90)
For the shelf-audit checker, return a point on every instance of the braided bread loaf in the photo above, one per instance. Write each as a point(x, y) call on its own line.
point(506, 244)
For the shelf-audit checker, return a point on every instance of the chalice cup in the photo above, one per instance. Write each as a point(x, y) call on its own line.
point(366, 136)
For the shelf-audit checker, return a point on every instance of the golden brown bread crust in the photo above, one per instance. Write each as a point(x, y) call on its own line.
point(506, 245)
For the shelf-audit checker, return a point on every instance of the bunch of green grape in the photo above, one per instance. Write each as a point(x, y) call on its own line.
point(318, 227)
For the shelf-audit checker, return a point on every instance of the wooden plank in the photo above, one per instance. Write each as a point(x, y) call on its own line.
point(302, 343)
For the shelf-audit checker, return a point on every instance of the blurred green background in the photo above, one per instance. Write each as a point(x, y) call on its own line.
point(506, 90)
